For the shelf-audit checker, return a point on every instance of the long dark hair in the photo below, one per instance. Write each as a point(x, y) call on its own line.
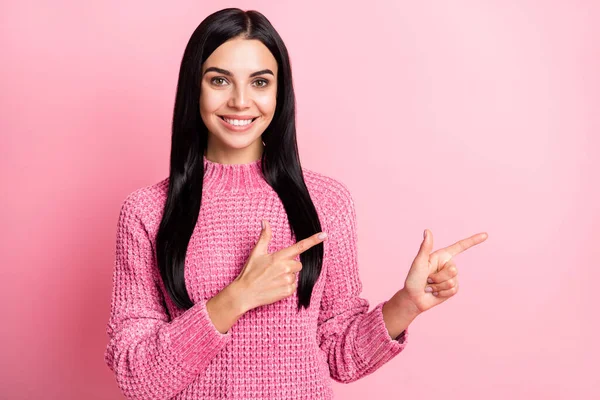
point(280, 162)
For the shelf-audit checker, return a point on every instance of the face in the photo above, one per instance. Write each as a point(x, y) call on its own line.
point(237, 98)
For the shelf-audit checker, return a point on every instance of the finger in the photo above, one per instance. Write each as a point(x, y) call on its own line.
point(262, 245)
point(465, 244)
point(291, 266)
point(300, 247)
point(297, 267)
point(448, 271)
point(445, 285)
point(447, 293)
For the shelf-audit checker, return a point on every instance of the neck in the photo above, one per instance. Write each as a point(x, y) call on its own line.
point(243, 156)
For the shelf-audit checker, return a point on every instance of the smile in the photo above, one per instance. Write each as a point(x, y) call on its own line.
point(237, 125)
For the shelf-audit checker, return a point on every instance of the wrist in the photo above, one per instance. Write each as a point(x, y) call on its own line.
point(234, 294)
point(398, 314)
point(401, 301)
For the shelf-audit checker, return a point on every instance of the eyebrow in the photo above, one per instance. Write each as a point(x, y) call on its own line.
point(228, 73)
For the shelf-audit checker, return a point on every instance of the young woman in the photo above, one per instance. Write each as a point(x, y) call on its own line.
point(224, 287)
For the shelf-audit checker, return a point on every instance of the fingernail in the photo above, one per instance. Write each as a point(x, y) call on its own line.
point(435, 293)
point(262, 222)
point(428, 289)
point(322, 235)
point(429, 280)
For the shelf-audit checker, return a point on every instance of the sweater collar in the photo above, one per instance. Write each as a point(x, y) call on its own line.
point(233, 178)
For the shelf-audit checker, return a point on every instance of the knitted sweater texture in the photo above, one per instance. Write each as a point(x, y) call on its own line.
point(159, 351)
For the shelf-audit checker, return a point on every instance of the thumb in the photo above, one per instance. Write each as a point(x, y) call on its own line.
point(262, 245)
point(419, 270)
point(426, 245)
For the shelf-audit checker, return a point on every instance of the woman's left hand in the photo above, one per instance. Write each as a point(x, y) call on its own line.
point(437, 271)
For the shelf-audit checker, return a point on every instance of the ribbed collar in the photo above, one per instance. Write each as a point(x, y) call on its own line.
point(233, 178)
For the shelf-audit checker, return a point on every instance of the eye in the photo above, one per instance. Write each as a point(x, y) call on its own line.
point(217, 81)
point(261, 82)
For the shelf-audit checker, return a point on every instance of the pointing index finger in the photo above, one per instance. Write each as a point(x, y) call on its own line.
point(300, 246)
point(465, 244)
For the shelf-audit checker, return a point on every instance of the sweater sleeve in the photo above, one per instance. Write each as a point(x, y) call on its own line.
point(152, 356)
point(355, 340)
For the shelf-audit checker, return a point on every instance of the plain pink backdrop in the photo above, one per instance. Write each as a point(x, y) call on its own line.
point(460, 117)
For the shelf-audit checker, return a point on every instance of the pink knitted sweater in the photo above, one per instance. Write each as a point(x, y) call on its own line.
point(158, 351)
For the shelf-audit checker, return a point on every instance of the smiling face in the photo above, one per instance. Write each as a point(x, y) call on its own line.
point(237, 99)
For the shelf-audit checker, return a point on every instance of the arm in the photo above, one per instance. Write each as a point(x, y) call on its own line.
point(152, 356)
point(355, 340)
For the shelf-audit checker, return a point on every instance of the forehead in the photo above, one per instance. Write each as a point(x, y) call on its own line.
point(241, 56)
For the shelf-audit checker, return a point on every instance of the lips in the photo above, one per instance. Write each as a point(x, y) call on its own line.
point(240, 117)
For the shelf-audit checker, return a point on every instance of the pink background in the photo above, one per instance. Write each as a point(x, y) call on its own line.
point(460, 117)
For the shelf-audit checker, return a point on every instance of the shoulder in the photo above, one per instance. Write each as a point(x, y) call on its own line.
point(331, 193)
point(146, 203)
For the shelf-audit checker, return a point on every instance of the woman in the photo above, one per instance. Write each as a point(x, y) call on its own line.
point(224, 286)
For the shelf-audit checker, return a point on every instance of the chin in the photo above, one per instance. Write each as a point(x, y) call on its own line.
point(237, 142)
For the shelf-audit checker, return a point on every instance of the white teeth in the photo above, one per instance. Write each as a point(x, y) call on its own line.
point(238, 122)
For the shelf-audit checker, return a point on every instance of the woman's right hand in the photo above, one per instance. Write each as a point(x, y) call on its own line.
point(267, 278)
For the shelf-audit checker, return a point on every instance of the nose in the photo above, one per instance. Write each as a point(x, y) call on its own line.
point(239, 98)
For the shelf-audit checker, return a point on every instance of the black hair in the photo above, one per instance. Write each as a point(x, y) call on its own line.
point(280, 161)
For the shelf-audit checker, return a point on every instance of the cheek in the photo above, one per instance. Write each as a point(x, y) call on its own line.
point(266, 102)
point(211, 101)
